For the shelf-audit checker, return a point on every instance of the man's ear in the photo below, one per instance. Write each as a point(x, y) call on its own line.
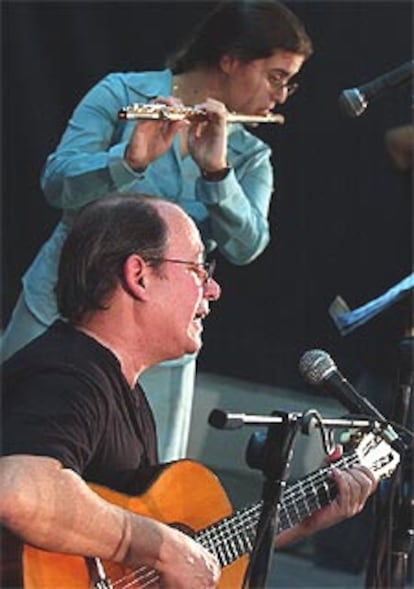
point(135, 276)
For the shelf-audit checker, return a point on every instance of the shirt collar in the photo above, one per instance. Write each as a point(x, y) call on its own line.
point(157, 83)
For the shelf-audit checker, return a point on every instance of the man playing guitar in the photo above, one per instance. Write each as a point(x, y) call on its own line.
point(79, 440)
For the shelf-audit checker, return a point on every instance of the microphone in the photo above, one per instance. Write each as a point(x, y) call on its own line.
point(354, 101)
point(318, 368)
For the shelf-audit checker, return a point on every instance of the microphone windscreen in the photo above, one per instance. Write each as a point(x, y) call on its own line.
point(352, 103)
point(315, 366)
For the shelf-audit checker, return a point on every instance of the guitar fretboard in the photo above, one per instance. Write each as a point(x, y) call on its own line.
point(233, 536)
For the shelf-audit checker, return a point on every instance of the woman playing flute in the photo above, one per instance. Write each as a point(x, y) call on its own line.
point(241, 58)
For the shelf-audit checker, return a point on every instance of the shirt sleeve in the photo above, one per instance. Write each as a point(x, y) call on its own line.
point(89, 160)
point(62, 421)
point(238, 206)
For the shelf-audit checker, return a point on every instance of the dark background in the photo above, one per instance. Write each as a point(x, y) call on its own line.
point(341, 215)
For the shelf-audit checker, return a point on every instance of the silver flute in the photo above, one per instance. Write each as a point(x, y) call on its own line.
point(163, 112)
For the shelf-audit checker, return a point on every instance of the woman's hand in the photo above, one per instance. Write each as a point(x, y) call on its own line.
point(152, 138)
point(207, 138)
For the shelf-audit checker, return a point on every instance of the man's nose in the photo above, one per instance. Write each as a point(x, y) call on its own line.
point(212, 290)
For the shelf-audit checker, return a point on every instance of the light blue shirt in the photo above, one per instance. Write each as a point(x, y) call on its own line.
point(232, 214)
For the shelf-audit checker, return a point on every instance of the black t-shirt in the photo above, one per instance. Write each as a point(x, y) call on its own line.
point(64, 396)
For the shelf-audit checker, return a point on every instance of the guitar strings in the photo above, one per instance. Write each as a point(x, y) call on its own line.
point(289, 500)
point(144, 576)
point(246, 521)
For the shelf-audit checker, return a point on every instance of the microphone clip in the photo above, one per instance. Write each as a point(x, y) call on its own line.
point(312, 420)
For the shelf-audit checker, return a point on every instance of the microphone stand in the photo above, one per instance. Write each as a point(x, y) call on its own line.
point(402, 538)
point(272, 455)
point(388, 563)
point(274, 463)
point(394, 526)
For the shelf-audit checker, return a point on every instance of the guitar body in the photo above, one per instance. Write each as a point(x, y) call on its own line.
point(185, 494)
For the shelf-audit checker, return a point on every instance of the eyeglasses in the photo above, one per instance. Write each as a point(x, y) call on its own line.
point(278, 84)
point(204, 270)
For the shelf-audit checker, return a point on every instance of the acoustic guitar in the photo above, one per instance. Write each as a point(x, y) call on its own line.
point(188, 495)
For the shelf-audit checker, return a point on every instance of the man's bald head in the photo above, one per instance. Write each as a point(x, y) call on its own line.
point(103, 235)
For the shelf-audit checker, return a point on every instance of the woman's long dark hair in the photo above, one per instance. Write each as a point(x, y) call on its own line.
point(245, 29)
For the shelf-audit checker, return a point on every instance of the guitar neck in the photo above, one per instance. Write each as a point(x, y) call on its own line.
point(233, 536)
point(304, 497)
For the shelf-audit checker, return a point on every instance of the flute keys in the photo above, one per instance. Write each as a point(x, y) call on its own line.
point(163, 112)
